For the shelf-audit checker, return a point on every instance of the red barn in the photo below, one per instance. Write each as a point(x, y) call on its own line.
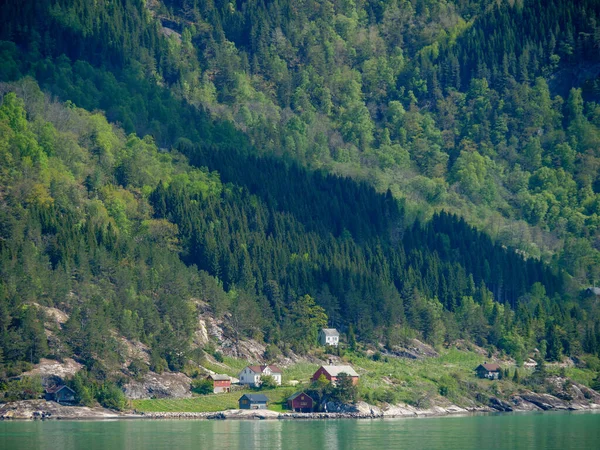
point(301, 402)
point(221, 383)
point(333, 372)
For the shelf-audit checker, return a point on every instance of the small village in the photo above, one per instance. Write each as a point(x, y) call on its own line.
point(331, 382)
point(257, 377)
point(310, 399)
point(335, 381)
point(313, 395)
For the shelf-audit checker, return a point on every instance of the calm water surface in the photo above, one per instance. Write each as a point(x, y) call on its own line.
point(506, 431)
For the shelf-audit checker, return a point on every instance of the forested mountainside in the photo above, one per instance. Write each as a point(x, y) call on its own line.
point(190, 154)
point(486, 109)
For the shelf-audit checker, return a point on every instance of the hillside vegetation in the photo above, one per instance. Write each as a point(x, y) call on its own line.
point(293, 165)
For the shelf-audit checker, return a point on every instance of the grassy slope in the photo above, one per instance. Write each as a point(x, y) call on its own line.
point(211, 403)
point(448, 378)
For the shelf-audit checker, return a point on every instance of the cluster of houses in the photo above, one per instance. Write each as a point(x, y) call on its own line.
point(252, 376)
point(300, 401)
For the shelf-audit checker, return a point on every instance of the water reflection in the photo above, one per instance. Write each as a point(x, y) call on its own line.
point(508, 431)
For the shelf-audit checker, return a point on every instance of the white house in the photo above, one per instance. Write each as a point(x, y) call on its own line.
point(329, 336)
point(251, 375)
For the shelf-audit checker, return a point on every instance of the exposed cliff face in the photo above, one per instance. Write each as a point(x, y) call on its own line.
point(414, 349)
point(165, 385)
point(51, 368)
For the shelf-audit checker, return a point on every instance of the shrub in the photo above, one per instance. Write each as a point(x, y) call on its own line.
point(138, 368)
point(344, 391)
point(26, 388)
point(202, 386)
point(157, 363)
point(596, 383)
point(112, 397)
point(267, 382)
point(272, 352)
point(83, 392)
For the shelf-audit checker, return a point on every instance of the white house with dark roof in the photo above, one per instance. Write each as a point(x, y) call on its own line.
point(329, 336)
point(251, 375)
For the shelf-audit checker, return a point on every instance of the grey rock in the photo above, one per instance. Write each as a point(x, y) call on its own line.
point(165, 385)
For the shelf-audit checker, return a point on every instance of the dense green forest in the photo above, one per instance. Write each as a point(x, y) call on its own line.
point(393, 168)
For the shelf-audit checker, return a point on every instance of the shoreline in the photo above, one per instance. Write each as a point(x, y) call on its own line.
point(43, 410)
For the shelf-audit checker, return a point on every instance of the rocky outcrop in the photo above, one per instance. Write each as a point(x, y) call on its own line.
point(415, 349)
point(134, 350)
point(47, 368)
point(500, 405)
point(165, 385)
point(545, 402)
point(42, 409)
point(566, 395)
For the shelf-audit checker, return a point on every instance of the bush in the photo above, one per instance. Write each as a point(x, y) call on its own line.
point(202, 386)
point(272, 352)
point(267, 382)
point(27, 388)
point(344, 391)
point(157, 363)
point(110, 396)
point(83, 392)
point(596, 383)
point(138, 369)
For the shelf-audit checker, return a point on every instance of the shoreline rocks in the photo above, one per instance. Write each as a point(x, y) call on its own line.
point(529, 401)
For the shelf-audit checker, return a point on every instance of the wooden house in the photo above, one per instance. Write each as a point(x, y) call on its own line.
point(301, 402)
point(221, 383)
point(61, 394)
point(329, 336)
point(332, 373)
point(253, 401)
point(251, 375)
point(489, 371)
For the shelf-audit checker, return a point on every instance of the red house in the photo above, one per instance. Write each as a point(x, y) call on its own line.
point(333, 372)
point(301, 402)
point(221, 383)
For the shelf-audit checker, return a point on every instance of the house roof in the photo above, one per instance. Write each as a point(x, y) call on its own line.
point(297, 394)
point(330, 332)
point(261, 369)
point(256, 398)
point(219, 377)
point(490, 367)
point(335, 371)
point(55, 389)
point(593, 290)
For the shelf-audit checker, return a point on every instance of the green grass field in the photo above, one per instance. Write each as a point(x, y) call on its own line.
point(211, 403)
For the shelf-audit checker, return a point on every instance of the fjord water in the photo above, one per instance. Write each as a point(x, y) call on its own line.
point(504, 431)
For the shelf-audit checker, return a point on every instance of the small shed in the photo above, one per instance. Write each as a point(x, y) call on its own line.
point(221, 383)
point(253, 401)
point(61, 394)
point(329, 336)
point(301, 402)
point(489, 371)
